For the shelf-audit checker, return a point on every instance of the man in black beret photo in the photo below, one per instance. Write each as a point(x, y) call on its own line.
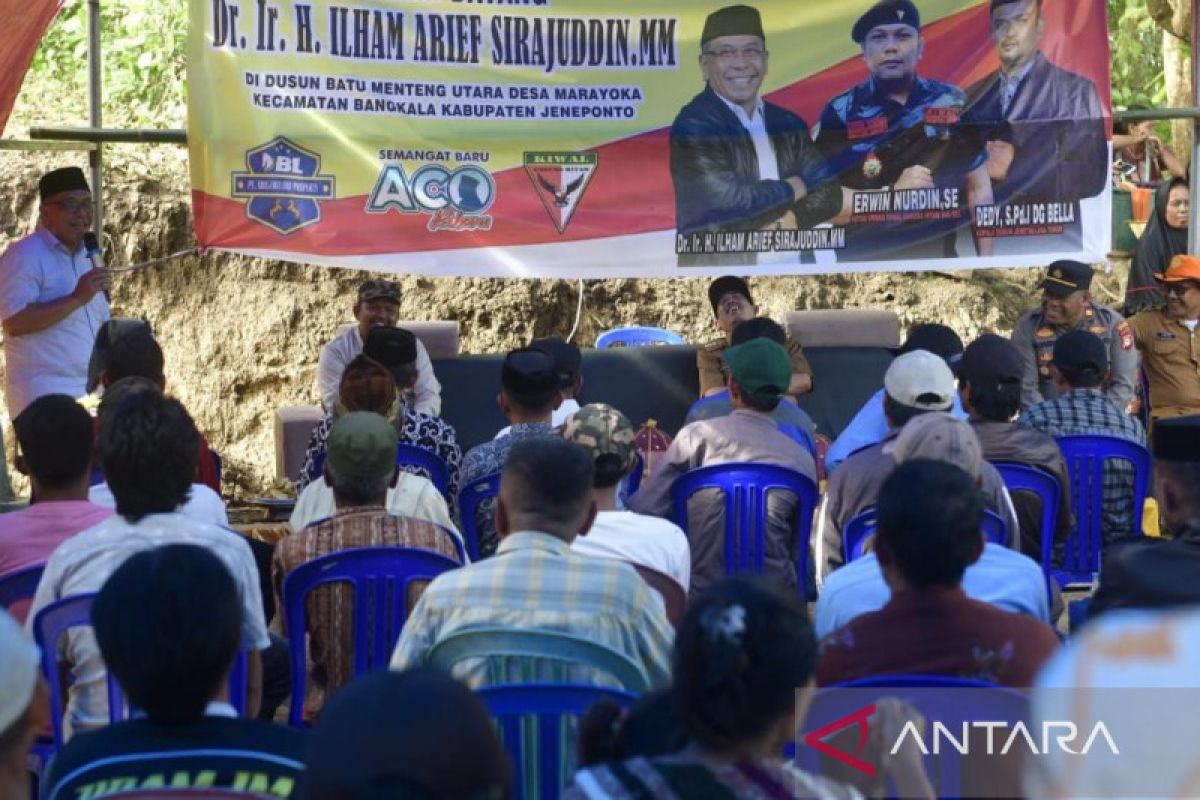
point(739, 163)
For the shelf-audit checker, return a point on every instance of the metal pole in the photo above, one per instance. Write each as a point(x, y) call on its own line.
point(96, 115)
point(1194, 164)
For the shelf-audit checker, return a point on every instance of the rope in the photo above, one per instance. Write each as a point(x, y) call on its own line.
point(152, 262)
point(578, 313)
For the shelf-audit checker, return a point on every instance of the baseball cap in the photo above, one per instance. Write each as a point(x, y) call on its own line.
point(529, 371)
point(1064, 277)
point(933, 338)
point(761, 367)
point(19, 662)
point(66, 179)
point(732, 21)
point(991, 360)
point(603, 430)
point(1081, 350)
point(361, 445)
point(723, 286)
point(1177, 439)
point(886, 12)
point(567, 358)
point(1181, 268)
point(373, 290)
point(940, 437)
point(920, 380)
point(394, 348)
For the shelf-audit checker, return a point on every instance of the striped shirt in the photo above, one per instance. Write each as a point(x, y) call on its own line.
point(1091, 412)
point(331, 608)
point(536, 581)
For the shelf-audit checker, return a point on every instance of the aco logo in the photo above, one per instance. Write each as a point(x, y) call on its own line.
point(455, 200)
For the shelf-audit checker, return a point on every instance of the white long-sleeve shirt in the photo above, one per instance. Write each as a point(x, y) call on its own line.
point(347, 346)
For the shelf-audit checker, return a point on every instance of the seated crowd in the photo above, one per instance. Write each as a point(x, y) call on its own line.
point(189, 617)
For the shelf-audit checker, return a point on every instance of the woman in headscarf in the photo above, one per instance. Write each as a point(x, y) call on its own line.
point(1165, 237)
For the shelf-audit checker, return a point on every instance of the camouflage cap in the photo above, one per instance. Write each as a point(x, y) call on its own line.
point(603, 430)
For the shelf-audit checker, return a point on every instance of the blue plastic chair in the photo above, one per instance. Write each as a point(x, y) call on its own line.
point(521, 655)
point(20, 585)
point(1024, 478)
point(408, 455)
point(637, 336)
point(634, 481)
point(861, 528)
point(971, 700)
point(53, 621)
point(381, 577)
point(542, 754)
point(470, 497)
point(746, 488)
point(1086, 456)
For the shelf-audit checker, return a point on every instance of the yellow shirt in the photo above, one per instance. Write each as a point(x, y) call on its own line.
point(712, 368)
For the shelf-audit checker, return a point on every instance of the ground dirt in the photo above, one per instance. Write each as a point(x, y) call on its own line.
point(242, 335)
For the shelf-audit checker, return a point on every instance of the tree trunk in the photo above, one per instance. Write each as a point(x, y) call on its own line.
point(1177, 67)
point(1173, 16)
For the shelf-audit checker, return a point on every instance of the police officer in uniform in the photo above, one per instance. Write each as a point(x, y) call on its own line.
point(899, 131)
point(731, 304)
point(1067, 306)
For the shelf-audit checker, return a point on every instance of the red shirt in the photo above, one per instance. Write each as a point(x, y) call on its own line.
point(938, 631)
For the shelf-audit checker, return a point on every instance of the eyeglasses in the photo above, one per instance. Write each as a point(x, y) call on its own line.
point(72, 206)
point(752, 53)
point(1179, 289)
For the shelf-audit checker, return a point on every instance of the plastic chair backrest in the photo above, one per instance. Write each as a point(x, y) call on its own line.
point(408, 455)
point(381, 577)
point(673, 595)
point(512, 654)
point(746, 488)
point(53, 621)
point(933, 697)
point(1086, 456)
point(861, 528)
point(1024, 478)
point(637, 336)
point(20, 585)
point(470, 497)
point(634, 481)
point(542, 762)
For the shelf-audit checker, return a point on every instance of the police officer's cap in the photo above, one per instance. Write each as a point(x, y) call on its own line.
point(723, 286)
point(1064, 277)
point(886, 12)
point(732, 21)
point(1177, 439)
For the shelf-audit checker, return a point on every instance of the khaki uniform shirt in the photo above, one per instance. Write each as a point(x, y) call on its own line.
point(712, 368)
point(1171, 361)
point(1035, 338)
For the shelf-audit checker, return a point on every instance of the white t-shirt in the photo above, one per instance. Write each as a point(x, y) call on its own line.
point(347, 346)
point(1191, 324)
point(202, 504)
point(640, 539)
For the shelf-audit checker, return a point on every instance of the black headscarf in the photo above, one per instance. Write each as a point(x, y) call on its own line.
point(1158, 245)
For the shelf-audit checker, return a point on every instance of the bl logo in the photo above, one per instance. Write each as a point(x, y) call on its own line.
point(283, 185)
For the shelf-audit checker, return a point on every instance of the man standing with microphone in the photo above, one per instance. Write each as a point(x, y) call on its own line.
point(52, 295)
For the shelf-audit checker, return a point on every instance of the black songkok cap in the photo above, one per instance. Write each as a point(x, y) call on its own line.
point(394, 348)
point(1177, 439)
point(886, 12)
point(732, 21)
point(67, 179)
point(529, 371)
point(567, 358)
point(1081, 350)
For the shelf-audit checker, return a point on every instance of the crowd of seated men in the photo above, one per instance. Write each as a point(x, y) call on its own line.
point(122, 509)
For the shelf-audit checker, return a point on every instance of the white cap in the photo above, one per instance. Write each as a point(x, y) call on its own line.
point(919, 379)
point(19, 661)
point(940, 437)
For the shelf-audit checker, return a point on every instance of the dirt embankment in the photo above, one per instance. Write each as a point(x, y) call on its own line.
point(241, 335)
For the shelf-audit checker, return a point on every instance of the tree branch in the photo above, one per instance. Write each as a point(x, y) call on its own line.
point(1173, 16)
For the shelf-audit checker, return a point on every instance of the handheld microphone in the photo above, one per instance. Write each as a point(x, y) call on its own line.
point(96, 256)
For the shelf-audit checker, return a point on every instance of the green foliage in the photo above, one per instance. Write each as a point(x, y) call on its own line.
point(1137, 61)
point(144, 44)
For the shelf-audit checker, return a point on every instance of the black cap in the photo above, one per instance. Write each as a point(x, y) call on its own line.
point(991, 360)
point(732, 21)
point(1081, 350)
point(723, 286)
point(567, 358)
point(529, 371)
point(1064, 277)
point(1177, 439)
point(886, 12)
point(934, 338)
point(394, 348)
point(67, 179)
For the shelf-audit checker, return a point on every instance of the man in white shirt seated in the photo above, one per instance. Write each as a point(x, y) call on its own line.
point(1002, 576)
point(378, 304)
point(635, 538)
